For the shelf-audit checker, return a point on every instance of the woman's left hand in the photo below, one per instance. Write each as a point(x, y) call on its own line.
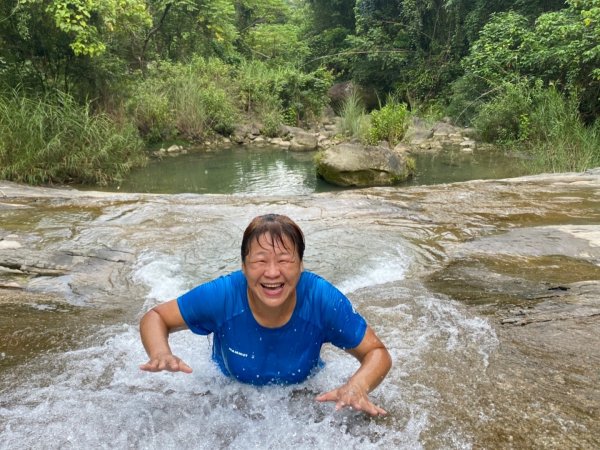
point(353, 397)
point(375, 362)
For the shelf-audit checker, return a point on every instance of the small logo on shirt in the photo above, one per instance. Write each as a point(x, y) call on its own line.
point(235, 352)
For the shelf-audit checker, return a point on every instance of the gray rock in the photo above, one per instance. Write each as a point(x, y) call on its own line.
point(304, 141)
point(353, 164)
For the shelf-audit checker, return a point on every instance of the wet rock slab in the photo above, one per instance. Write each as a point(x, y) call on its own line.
point(538, 281)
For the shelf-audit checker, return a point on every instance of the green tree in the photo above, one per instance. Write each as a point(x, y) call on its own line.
point(561, 48)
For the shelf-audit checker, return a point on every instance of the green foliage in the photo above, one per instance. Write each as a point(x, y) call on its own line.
point(293, 95)
point(502, 119)
point(389, 123)
point(150, 109)
point(255, 81)
point(542, 122)
point(90, 22)
point(276, 43)
point(560, 48)
point(499, 51)
point(54, 140)
point(303, 95)
point(271, 120)
point(469, 93)
point(217, 20)
point(330, 22)
point(557, 138)
point(191, 101)
point(377, 53)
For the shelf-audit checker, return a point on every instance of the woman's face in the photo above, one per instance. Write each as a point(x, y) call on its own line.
point(272, 271)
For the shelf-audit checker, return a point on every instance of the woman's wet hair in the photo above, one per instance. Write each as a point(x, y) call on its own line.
point(278, 227)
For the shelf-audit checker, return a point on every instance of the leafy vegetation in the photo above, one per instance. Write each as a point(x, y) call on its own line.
point(542, 122)
point(188, 69)
point(186, 100)
point(389, 123)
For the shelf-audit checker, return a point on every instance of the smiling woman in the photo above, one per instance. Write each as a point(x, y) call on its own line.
point(270, 320)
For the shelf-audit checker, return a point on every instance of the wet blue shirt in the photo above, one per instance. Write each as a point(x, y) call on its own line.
point(254, 354)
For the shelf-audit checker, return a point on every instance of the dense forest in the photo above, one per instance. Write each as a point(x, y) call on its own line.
point(87, 85)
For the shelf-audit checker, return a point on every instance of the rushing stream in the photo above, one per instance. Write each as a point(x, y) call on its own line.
point(69, 374)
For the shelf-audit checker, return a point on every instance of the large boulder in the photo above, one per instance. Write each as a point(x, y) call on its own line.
point(339, 93)
point(352, 164)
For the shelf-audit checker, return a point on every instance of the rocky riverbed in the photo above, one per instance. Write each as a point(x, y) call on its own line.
point(522, 254)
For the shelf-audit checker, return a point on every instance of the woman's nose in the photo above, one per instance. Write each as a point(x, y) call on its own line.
point(272, 269)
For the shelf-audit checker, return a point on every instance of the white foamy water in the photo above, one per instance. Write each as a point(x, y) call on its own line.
point(385, 266)
point(96, 396)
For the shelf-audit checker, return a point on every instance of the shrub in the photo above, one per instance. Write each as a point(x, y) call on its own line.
point(469, 93)
point(151, 111)
point(501, 119)
point(54, 140)
point(542, 122)
point(389, 123)
point(303, 95)
point(296, 96)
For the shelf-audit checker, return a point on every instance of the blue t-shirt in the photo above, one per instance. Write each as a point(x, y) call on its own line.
point(254, 354)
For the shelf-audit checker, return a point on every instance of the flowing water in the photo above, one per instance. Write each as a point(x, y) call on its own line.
point(69, 374)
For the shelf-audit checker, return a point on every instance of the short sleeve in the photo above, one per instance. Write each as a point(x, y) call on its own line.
point(203, 307)
point(342, 325)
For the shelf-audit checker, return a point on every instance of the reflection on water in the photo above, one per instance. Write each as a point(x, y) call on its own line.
point(235, 170)
point(272, 171)
point(454, 165)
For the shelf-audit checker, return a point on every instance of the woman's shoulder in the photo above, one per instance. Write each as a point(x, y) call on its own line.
point(318, 291)
point(311, 281)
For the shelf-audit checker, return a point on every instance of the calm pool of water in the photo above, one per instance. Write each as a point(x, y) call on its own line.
point(267, 171)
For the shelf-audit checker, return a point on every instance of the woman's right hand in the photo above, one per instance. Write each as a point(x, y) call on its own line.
point(155, 327)
point(169, 362)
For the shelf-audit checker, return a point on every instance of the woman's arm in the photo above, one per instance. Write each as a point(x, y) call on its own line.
point(375, 363)
point(155, 327)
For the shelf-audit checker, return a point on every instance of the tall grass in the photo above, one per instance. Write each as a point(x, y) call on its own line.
point(282, 92)
point(259, 95)
point(354, 121)
point(54, 140)
point(191, 101)
point(542, 122)
point(558, 139)
point(206, 96)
